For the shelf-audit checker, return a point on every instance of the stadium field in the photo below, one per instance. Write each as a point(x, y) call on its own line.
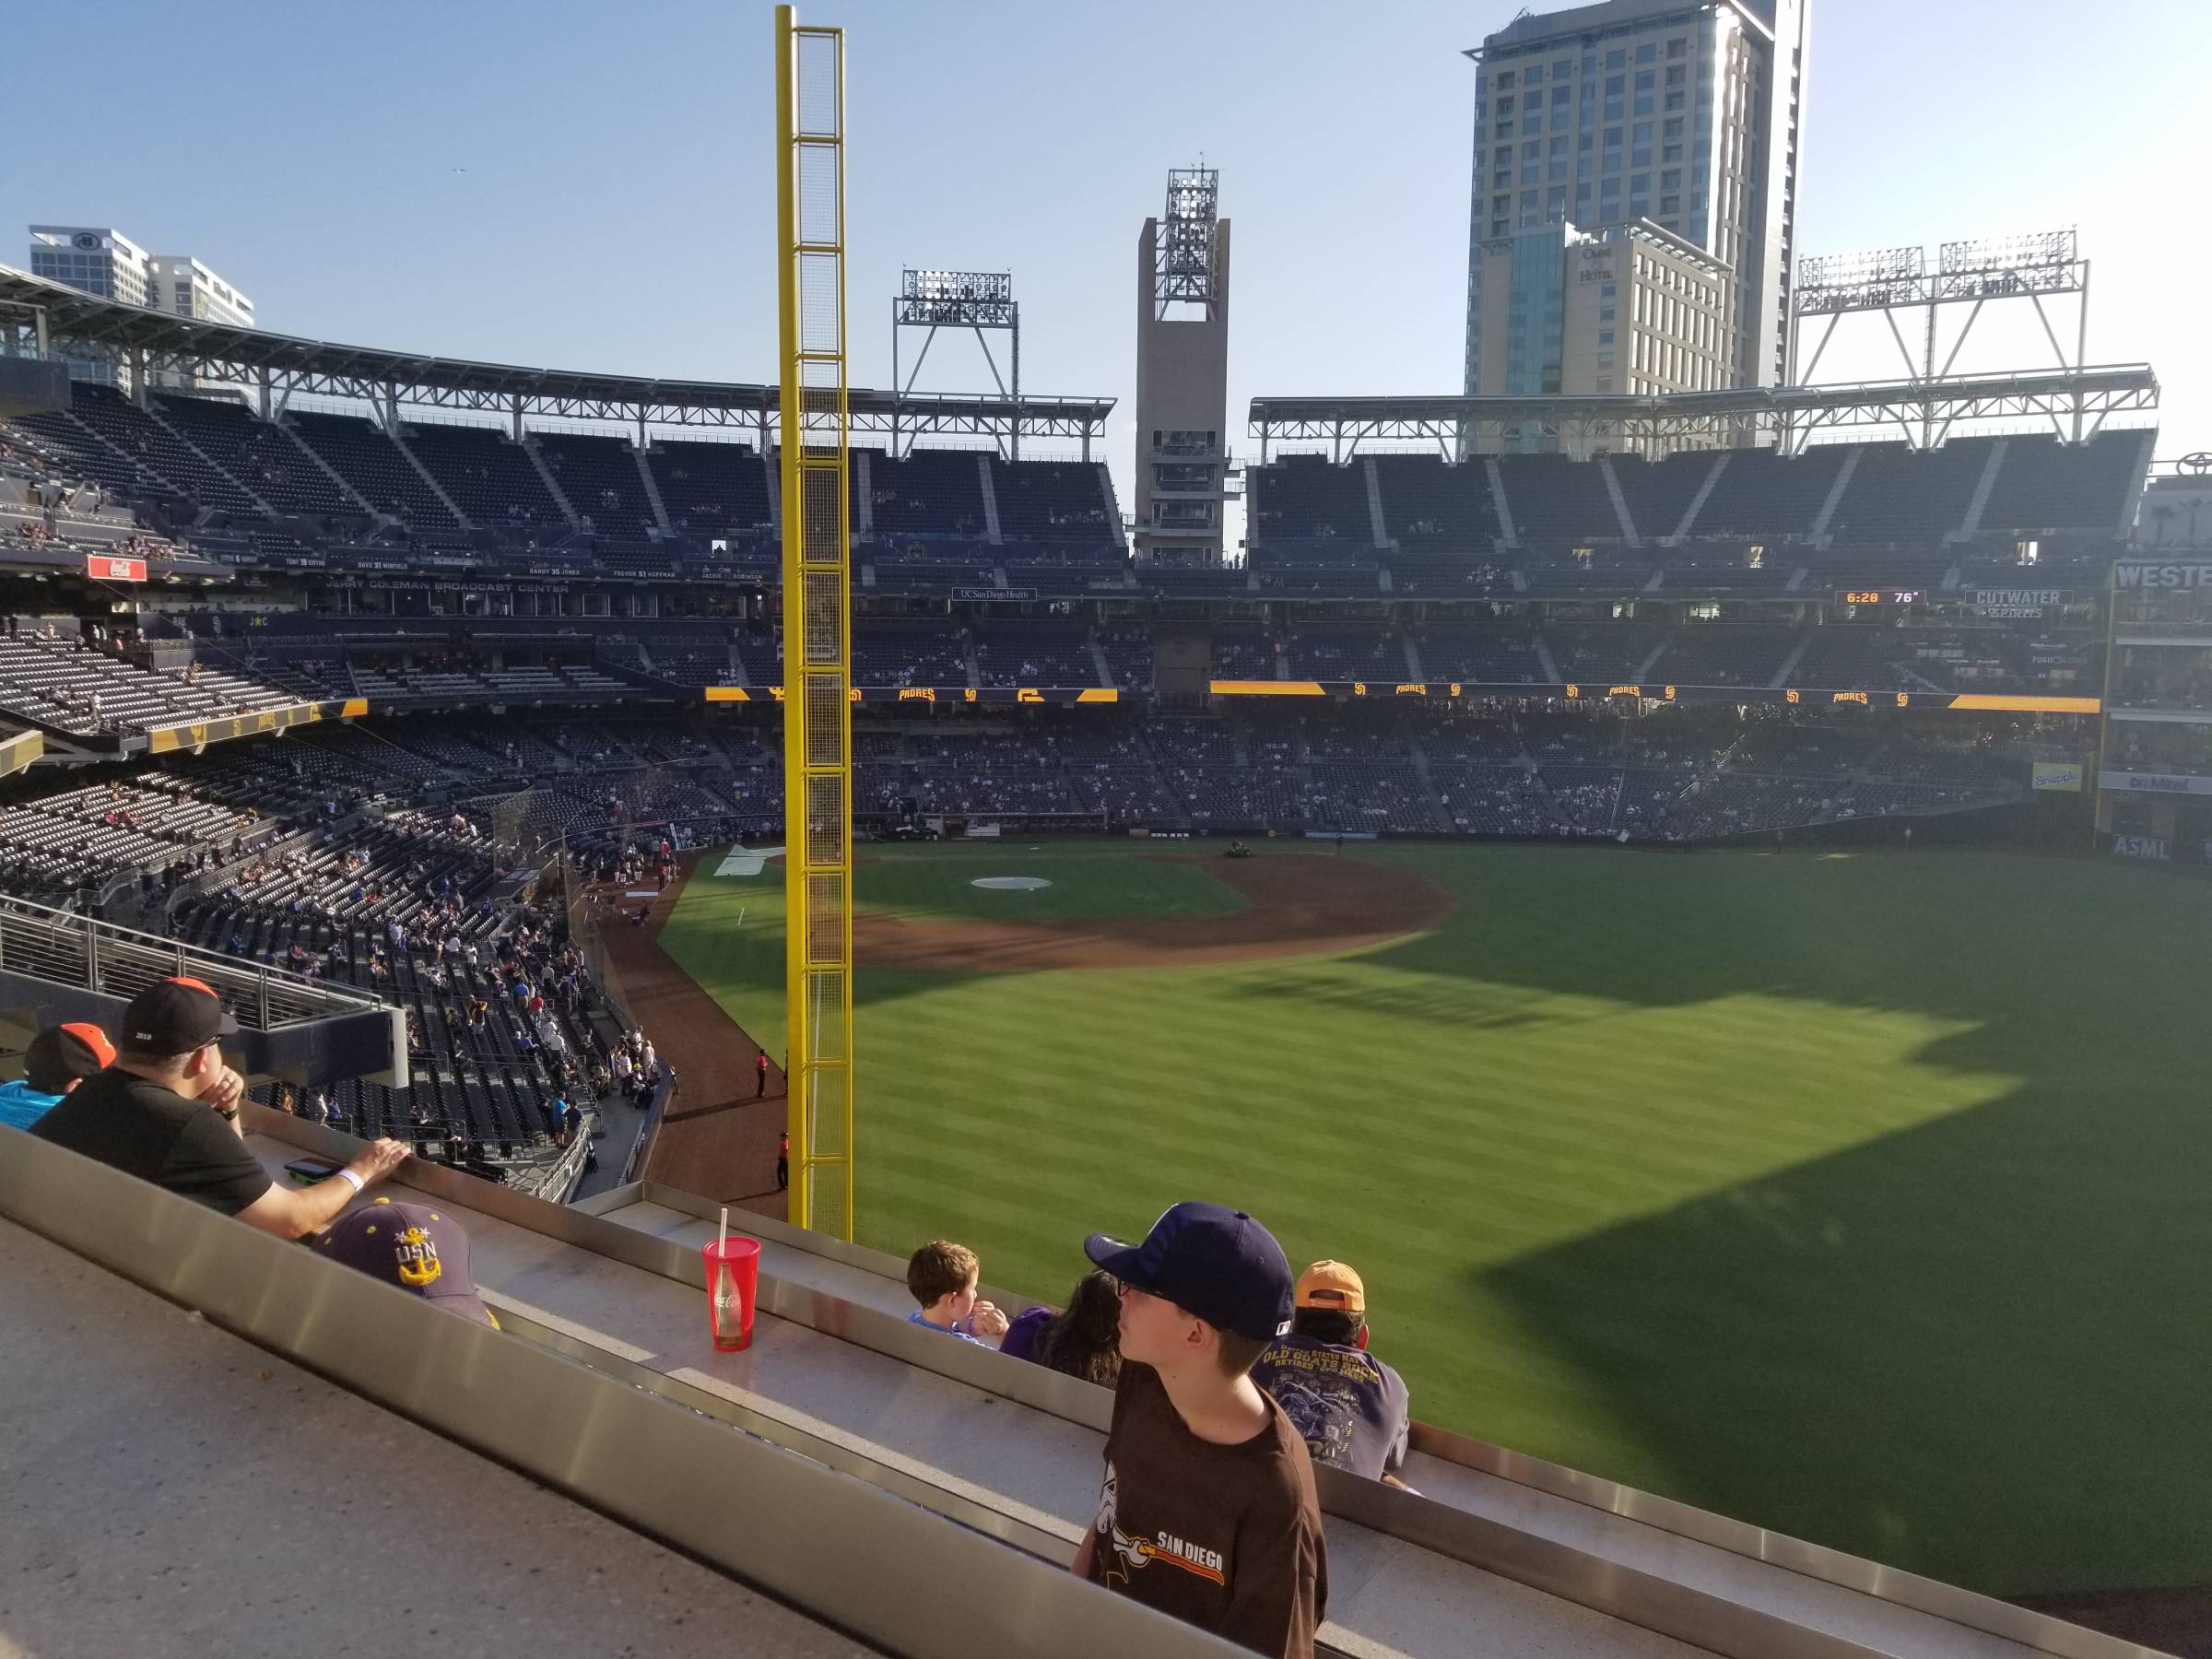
point(1859, 1196)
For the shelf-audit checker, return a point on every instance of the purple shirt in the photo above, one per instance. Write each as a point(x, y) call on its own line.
point(1022, 1332)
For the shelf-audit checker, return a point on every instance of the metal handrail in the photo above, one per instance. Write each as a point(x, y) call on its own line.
point(72, 948)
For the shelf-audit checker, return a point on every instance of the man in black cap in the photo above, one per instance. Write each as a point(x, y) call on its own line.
point(167, 1112)
point(1207, 1511)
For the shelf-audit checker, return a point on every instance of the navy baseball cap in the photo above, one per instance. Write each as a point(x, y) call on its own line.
point(1208, 1260)
point(413, 1246)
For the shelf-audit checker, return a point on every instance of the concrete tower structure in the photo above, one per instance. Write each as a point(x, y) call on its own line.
point(1183, 373)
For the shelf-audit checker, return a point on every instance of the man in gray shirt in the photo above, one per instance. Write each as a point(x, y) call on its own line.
point(1349, 1407)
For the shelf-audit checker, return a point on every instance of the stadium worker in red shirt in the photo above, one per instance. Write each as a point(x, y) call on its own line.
point(1207, 1511)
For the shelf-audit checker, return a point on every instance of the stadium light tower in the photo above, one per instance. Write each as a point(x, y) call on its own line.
point(975, 299)
point(1182, 372)
point(817, 609)
point(1897, 283)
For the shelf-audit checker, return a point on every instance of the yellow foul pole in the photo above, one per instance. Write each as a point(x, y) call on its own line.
point(818, 718)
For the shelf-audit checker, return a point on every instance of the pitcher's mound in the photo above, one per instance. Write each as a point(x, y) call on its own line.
point(1301, 904)
point(1010, 884)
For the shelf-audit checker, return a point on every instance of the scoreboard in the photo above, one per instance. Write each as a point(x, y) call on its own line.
point(1899, 597)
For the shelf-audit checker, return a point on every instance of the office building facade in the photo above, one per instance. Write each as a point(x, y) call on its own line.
point(1632, 309)
point(1684, 113)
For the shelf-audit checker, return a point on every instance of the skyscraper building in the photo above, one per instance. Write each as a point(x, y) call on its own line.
point(96, 259)
point(1683, 113)
point(101, 260)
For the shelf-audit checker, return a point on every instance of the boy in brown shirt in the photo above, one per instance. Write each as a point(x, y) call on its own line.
point(1207, 1512)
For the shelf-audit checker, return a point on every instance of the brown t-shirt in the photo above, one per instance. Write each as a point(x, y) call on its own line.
point(1224, 1538)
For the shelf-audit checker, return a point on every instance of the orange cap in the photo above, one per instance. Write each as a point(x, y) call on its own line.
point(1331, 1284)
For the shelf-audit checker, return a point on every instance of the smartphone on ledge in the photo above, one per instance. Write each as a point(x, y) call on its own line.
point(307, 1171)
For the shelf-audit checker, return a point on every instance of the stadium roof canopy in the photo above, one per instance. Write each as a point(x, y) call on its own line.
point(46, 316)
point(2076, 400)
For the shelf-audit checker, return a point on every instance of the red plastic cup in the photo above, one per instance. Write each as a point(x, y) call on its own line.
point(732, 1286)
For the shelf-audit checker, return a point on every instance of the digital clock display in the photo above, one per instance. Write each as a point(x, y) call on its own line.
point(1878, 596)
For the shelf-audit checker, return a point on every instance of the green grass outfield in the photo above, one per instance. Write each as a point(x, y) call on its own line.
point(1864, 1196)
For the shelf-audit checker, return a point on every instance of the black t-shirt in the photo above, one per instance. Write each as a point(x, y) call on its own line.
point(1224, 1538)
point(154, 1133)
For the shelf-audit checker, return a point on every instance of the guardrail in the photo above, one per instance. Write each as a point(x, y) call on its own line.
point(70, 948)
point(790, 1523)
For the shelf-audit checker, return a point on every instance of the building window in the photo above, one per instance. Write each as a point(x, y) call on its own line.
point(1645, 80)
point(1677, 47)
point(1674, 101)
point(1616, 60)
point(1562, 69)
point(1561, 95)
point(1504, 79)
point(1643, 103)
point(1670, 152)
point(1606, 313)
point(1615, 109)
point(1605, 336)
point(1505, 106)
point(1605, 359)
point(1646, 53)
point(1610, 291)
point(1671, 180)
point(1676, 75)
point(1670, 204)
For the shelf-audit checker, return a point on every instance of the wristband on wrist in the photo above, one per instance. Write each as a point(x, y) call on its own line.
point(358, 1184)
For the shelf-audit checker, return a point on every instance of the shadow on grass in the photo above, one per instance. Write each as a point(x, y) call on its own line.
point(1975, 1348)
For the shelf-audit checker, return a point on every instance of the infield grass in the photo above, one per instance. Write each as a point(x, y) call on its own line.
point(1862, 1196)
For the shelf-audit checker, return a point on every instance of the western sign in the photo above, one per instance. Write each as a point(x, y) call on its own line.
point(2162, 576)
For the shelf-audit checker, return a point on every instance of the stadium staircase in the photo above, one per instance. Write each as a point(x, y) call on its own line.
point(1819, 533)
point(1550, 669)
point(337, 480)
point(1789, 664)
point(990, 531)
point(1621, 502)
point(552, 482)
point(923, 1495)
point(1374, 506)
point(653, 493)
point(1506, 535)
point(151, 410)
point(1689, 514)
point(397, 432)
point(1970, 525)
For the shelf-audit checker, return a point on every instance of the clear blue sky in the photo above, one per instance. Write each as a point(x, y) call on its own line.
point(616, 210)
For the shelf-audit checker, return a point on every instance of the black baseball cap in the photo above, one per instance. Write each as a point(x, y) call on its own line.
point(413, 1246)
point(175, 1017)
point(63, 1054)
point(1208, 1260)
